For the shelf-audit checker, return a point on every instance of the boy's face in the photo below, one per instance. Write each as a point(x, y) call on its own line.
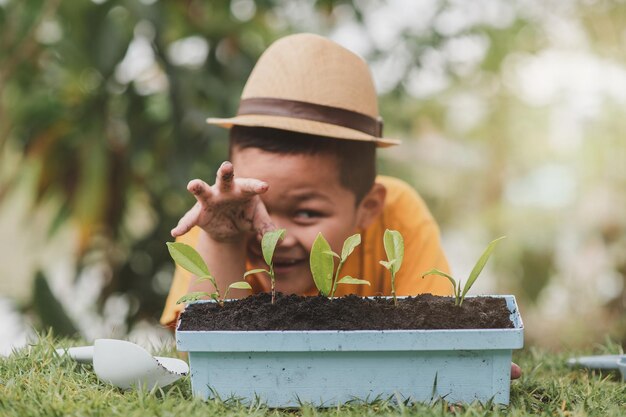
point(305, 197)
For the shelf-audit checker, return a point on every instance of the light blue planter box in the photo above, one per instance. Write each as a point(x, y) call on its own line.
point(326, 368)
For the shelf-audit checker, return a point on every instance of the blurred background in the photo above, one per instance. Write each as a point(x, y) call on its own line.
point(511, 114)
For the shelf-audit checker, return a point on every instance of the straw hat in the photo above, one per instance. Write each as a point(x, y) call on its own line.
point(306, 83)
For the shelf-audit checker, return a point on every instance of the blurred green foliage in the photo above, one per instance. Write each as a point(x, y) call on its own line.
point(106, 146)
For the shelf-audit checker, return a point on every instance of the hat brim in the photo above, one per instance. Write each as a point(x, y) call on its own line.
point(310, 127)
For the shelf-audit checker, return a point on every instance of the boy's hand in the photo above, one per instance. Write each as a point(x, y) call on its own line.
point(516, 371)
point(228, 210)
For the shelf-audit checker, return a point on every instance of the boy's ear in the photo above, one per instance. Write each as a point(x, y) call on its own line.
point(371, 205)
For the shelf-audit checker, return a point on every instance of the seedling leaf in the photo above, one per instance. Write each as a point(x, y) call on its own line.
point(187, 257)
point(480, 264)
point(443, 274)
point(350, 280)
point(205, 278)
point(255, 271)
point(240, 285)
point(330, 252)
point(388, 264)
point(191, 297)
point(268, 244)
point(322, 265)
point(349, 245)
point(394, 248)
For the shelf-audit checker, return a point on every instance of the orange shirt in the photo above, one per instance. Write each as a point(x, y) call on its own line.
point(404, 211)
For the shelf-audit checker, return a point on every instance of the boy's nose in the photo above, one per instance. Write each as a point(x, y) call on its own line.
point(289, 239)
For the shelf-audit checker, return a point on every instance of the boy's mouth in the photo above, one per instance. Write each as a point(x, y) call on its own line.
point(285, 265)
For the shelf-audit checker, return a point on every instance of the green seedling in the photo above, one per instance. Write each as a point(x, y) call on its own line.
point(323, 264)
point(459, 295)
point(268, 246)
point(187, 257)
point(394, 248)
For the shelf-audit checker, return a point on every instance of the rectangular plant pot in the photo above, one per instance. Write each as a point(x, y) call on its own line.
point(326, 368)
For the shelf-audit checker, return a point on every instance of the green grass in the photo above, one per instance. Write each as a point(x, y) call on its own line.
point(36, 382)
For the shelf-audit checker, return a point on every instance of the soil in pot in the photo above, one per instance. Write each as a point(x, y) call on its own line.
point(293, 312)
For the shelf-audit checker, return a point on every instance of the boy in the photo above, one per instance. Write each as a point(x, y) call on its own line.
point(303, 158)
point(303, 148)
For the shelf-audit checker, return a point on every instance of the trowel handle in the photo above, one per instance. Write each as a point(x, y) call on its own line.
point(596, 362)
point(83, 354)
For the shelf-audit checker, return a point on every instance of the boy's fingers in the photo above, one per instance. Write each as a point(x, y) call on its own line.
point(250, 187)
point(263, 228)
point(516, 371)
point(201, 190)
point(262, 222)
point(186, 222)
point(225, 176)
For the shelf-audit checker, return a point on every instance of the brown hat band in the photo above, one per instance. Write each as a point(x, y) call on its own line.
point(311, 111)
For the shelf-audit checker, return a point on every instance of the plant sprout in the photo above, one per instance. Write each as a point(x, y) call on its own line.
point(268, 246)
point(188, 258)
point(394, 248)
point(459, 295)
point(323, 264)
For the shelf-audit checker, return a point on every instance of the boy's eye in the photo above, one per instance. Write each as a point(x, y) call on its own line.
point(307, 214)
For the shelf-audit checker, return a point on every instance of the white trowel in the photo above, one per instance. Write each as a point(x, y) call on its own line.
point(127, 365)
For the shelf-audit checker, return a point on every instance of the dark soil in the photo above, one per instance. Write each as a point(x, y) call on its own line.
point(351, 312)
